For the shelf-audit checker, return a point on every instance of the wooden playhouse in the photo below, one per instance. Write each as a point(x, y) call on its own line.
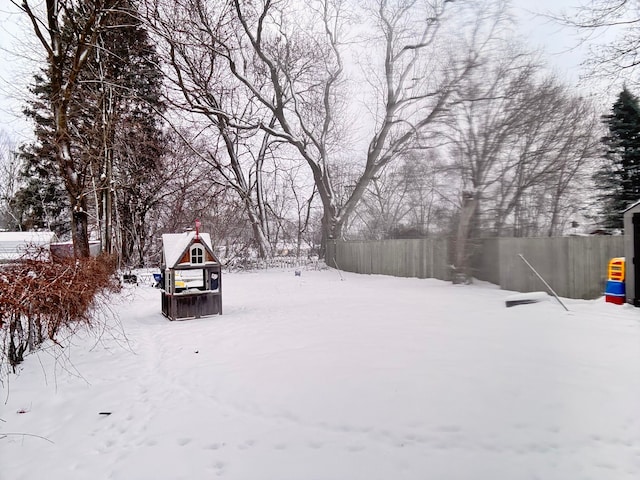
point(191, 276)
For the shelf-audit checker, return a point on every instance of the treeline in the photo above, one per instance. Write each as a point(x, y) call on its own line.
point(284, 125)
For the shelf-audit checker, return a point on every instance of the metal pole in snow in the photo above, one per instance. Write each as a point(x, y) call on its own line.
point(543, 281)
point(335, 262)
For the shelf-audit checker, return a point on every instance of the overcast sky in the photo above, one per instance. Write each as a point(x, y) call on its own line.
point(13, 70)
point(559, 43)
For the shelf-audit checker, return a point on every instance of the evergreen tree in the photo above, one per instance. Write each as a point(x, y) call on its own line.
point(125, 82)
point(619, 178)
point(115, 131)
point(67, 31)
point(41, 200)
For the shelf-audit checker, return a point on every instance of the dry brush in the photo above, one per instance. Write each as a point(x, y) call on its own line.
point(41, 299)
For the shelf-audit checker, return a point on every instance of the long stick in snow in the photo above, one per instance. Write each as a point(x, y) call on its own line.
point(543, 281)
point(338, 268)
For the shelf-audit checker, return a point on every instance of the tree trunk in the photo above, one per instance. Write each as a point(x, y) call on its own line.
point(77, 198)
point(264, 248)
point(66, 62)
point(331, 227)
point(462, 272)
point(80, 228)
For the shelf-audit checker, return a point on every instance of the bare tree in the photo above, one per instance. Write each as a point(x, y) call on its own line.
point(408, 199)
point(290, 206)
point(597, 20)
point(211, 101)
point(490, 115)
point(383, 206)
point(9, 169)
point(520, 140)
point(66, 58)
point(432, 195)
point(289, 59)
point(189, 190)
point(553, 157)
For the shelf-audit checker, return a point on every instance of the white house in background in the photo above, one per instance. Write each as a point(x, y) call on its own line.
point(14, 245)
point(61, 250)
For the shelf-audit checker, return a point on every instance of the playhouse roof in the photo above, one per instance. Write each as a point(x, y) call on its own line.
point(175, 244)
point(14, 244)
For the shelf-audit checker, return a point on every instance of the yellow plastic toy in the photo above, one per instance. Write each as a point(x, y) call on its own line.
point(616, 269)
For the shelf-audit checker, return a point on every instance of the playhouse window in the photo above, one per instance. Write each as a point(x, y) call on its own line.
point(197, 254)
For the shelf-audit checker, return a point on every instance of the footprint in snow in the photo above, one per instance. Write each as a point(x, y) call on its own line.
point(219, 468)
point(247, 444)
point(448, 429)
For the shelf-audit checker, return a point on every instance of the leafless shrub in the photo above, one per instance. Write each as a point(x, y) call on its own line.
point(40, 300)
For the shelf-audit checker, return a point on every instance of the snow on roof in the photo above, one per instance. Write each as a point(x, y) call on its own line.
point(174, 245)
point(14, 244)
point(41, 238)
point(65, 249)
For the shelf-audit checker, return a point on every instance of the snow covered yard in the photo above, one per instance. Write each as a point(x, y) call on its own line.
point(312, 377)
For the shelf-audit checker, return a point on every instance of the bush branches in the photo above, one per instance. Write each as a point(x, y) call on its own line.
point(39, 299)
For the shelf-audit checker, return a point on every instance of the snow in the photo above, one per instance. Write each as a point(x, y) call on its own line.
point(14, 244)
point(533, 296)
point(174, 245)
point(314, 377)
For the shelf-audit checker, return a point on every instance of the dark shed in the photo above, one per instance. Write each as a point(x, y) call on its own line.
point(192, 276)
point(631, 218)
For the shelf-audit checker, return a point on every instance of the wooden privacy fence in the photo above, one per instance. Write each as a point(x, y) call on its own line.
point(421, 258)
point(575, 267)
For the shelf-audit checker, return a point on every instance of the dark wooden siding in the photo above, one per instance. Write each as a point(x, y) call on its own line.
point(191, 305)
